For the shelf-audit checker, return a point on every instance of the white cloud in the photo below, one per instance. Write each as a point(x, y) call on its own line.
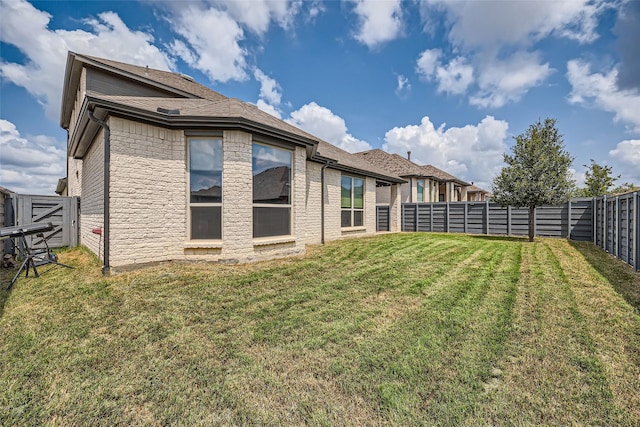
point(427, 63)
point(504, 81)
point(627, 152)
point(472, 152)
point(268, 108)
point(601, 89)
point(481, 24)
point(269, 88)
point(403, 86)
point(379, 21)
point(26, 28)
point(213, 39)
point(256, 15)
point(29, 165)
point(455, 77)
point(496, 37)
point(323, 123)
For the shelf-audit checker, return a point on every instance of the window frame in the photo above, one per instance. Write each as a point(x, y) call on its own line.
point(289, 206)
point(420, 197)
point(190, 204)
point(352, 209)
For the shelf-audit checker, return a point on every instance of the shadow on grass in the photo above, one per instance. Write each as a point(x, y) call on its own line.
point(6, 274)
point(619, 274)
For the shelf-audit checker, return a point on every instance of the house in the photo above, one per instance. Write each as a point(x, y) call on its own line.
point(477, 194)
point(168, 169)
point(424, 183)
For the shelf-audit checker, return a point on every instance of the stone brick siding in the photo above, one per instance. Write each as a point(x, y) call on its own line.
point(313, 229)
point(148, 200)
point(148, 193)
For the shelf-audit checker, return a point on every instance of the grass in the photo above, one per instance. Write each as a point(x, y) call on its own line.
point(402, 329)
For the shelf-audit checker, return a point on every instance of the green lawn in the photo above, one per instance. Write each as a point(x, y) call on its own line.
point(398, 329)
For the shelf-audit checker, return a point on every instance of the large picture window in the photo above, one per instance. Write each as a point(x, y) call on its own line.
point(205, 188)
point(271, 191)
point(352, 201)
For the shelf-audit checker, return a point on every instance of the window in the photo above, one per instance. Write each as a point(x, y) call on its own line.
point(205, 188)
point(271, 191)
point(420, 186)
point(352, 202)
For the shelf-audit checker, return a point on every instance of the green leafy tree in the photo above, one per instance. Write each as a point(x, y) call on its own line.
point(598, 180)
point(537, 173)
point(625, 188)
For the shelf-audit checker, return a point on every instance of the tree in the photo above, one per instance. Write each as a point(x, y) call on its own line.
point(537, 173)
point(627, 187)
point(598, 180)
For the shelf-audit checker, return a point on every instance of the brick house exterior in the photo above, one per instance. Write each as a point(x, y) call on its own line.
point(167, 170)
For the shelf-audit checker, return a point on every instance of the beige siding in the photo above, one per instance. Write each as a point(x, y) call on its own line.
point(332, 229)
point(147, 193)
point(370, 205)
point(74, 177)
point(91, 202)
point(313, 206)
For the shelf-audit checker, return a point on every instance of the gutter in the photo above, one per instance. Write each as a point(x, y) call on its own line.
point(105, 195)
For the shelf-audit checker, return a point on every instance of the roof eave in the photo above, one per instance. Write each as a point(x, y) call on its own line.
point(85, 132)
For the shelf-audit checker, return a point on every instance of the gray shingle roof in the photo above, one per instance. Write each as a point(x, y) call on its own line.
point(405, 167)
point(167, 78)
point(392, 162)
point(208, 103)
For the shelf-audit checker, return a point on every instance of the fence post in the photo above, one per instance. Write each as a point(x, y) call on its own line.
point(594, 220)
point(486, 218)
point(569, 219)
point(447, 216)
point(465, 216)
point(636, 227)
point(417, 218)
point(535, 221)
point(509, 220)
point(431, 218)
point(617, 229)
point(604, 222)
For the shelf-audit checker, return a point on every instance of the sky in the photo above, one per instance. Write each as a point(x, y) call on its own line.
point(452, 82)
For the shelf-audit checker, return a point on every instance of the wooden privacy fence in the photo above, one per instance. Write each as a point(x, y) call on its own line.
point(609, 222)
point(62, 212)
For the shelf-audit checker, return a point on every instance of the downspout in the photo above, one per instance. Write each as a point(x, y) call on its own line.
point(105, 195)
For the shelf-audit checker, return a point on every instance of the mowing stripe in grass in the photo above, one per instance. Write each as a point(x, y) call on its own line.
point(403, 365)
point(550, 375)
point(612, 328)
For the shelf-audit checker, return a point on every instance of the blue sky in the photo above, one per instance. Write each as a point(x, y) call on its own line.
point(453, 82)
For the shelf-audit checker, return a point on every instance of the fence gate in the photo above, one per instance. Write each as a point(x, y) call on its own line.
point(382, 218)
point(62, 212)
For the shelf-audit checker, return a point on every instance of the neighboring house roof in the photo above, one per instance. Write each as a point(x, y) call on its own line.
point(475, 189)
point(405, 167)
point(189, 104)
point(393, 162)
point(5, 191)
point(353, 162)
